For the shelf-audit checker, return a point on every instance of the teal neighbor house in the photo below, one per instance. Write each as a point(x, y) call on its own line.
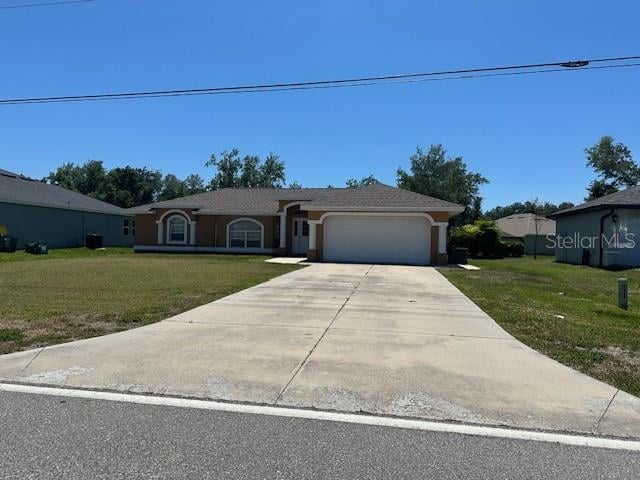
point(32, 210)
point(604, 232)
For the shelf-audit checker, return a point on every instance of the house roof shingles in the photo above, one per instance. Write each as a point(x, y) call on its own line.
point(264, 201)
point(522, 224)
point(16, 188)
point(625, 198)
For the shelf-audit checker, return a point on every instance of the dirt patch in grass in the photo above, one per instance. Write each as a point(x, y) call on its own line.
point(621, 365)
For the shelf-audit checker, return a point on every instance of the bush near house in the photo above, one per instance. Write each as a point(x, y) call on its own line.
point(513, 248)
point(482, 240)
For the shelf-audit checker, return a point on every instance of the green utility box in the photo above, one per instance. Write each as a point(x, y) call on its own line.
point(37, 248)
point(7, 243)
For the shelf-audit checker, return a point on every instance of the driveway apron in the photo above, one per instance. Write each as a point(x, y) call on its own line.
point(390, 340)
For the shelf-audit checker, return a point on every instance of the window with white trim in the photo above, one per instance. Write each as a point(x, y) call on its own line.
point(245, 234)
point(125, 227)
point(177, 229)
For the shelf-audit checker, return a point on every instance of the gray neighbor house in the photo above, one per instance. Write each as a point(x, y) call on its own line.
point(534, 231)
point(36, 211)
point(604, 232)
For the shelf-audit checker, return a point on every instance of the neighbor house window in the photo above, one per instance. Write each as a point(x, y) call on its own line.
point(125, 227)
point(177, 229)
point(245, 234)
point(133, 228)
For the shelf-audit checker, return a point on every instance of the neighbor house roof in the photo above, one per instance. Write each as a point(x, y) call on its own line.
point(265, 201)
point(629, 198)
point(16, 188)
point(521, 224)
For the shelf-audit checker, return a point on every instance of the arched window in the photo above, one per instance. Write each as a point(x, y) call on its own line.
point(177, 229)
point(245, 233)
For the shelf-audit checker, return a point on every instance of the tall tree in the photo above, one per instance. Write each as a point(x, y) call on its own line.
point(250, 171)
point(542, 208)
point(251, 175)
point(272, 172)
point(193, 184)
point(364, 181)
point(614, 166)
point(66, 176)
point(93, 177)
point(172, 187)
point(434, 173)
point(88, 178)
point(228, 169)
point(128, 186)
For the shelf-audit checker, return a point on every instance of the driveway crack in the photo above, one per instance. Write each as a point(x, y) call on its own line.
point(304, 362)
point(24, 369)
point(597, 425)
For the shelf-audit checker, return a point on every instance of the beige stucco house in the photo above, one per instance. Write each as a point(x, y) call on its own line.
point(372, 224)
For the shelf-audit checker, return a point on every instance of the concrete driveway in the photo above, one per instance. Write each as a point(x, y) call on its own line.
point(381, 339)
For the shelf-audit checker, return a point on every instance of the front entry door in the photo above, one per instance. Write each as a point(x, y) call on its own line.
point(300, 236)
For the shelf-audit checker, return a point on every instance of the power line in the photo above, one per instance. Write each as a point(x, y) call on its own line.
point(314, 87)
point(528, 69)
point(44, 4)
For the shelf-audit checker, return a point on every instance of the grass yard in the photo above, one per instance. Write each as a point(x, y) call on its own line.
point(78, 293)
point(595, 336)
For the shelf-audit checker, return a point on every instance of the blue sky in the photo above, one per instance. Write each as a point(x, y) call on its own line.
point(525, 134)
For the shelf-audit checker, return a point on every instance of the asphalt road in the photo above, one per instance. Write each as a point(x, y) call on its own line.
point(55, 437)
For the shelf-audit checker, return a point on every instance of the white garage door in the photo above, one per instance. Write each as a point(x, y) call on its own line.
point(377, 239)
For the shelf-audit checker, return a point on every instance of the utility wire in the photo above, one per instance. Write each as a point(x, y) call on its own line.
point(45, 4)
point(314, 87)
point(351, 82)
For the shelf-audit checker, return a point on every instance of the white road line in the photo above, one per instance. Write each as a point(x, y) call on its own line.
point(578, 440)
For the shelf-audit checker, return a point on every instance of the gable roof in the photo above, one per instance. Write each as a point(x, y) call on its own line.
point(521, 224)
point(265, 201)
point(16, 188)
point(629, 198)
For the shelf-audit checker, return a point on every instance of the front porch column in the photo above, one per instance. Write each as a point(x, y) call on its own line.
point(192, 233)
point(312, 253)
point(160, 233)
point(312, 236)
point(441, 255)
point(283, 229)
point(442, 238)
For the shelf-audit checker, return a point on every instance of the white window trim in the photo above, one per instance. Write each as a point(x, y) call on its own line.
point(186, 223)
point(245, 219)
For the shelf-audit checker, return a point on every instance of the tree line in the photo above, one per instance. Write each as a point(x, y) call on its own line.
point(431, 172)
point(131, 186)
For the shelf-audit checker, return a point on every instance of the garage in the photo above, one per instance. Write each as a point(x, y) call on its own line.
point(377, 239)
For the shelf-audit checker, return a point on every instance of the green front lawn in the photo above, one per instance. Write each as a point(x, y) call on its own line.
point(527, 296)
point(78, 293)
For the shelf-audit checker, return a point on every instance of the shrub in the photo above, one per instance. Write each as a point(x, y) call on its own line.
point(481, 238)
point(513, 249)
